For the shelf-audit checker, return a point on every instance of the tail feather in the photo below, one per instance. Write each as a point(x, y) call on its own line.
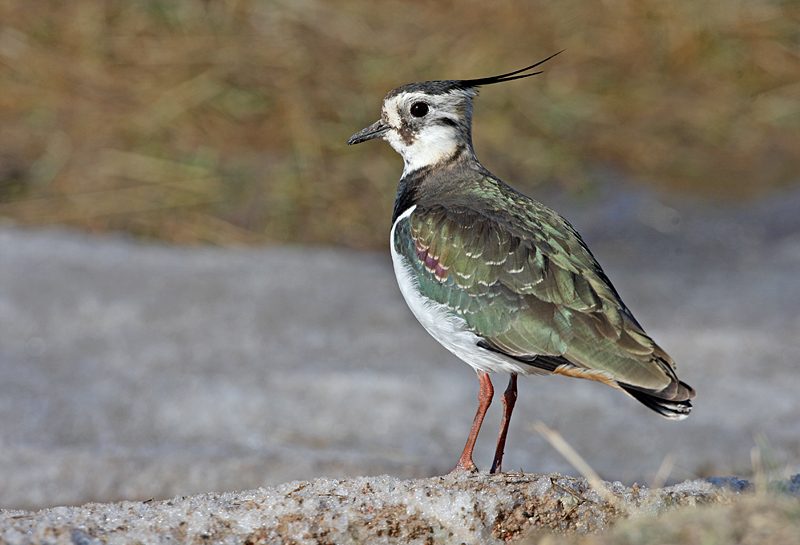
point(676, 408)
point(673, 401)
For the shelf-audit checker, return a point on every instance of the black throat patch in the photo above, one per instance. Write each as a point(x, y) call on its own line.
point(407, 191)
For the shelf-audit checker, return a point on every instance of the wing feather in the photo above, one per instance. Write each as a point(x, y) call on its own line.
point(527, 284)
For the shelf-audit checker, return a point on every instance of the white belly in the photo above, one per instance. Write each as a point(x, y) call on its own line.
point(450, 330)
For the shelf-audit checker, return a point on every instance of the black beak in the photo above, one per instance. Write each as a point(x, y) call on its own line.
point(376, 130)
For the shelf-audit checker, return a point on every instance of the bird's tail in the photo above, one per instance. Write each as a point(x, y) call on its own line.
point(674, 402)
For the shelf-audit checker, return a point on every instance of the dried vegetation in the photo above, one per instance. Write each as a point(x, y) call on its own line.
point(225, 121)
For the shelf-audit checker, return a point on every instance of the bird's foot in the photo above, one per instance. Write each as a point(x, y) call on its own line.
point(464, 466)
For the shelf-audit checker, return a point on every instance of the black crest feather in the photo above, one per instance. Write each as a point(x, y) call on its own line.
point(438, 87)
point(508, 76)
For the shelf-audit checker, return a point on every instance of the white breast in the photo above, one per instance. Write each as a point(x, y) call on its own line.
point(449, 329)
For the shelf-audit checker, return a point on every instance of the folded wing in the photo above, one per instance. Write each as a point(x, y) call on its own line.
point(526, 283)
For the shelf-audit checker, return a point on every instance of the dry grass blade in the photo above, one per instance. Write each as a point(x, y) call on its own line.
point(558, 442)
point(663, 471)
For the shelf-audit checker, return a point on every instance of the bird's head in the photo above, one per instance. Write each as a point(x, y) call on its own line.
point(429, 122)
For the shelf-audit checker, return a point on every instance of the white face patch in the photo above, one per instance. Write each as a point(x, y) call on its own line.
point(430, 146)
point(431, 142)
point(391, 108)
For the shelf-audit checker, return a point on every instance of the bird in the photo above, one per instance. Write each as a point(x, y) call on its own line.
point(502, 281)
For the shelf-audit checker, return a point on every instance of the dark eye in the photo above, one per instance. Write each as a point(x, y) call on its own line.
point(419, 109)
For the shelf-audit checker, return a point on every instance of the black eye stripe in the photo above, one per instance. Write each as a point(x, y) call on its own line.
point(446, 121)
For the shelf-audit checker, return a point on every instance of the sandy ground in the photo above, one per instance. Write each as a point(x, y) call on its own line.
point(136, 371)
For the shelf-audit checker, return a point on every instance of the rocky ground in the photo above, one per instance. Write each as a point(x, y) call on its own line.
point(131, 371)
point(452, 509)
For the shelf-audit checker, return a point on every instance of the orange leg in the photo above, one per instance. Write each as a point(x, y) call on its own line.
point(485, 394)
point(509, 399)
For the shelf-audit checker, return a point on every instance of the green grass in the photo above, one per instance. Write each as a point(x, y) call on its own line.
point(225, 121)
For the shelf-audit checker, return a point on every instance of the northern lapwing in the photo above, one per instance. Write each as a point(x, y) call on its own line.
point(499, 279)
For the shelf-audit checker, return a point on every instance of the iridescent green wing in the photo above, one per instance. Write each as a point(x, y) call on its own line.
point(524, 281)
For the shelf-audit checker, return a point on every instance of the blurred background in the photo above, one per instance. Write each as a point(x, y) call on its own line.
point(225, 121)
point(195, 289)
